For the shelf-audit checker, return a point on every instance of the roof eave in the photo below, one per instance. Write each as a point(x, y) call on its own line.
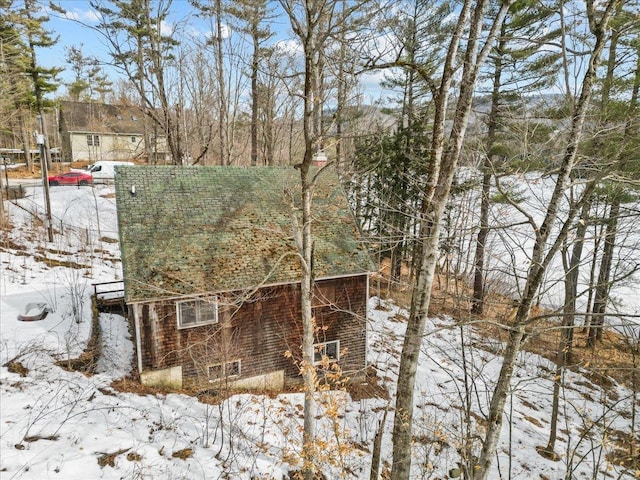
point(218, 292)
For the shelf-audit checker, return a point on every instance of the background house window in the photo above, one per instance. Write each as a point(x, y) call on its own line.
point(133, 139)
point(222, 370)
point(90, 140)
point(192, 313)
point(331, 350)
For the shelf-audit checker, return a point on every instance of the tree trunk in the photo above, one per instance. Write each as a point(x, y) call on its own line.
point(310, 29)
point(603, 284)
point(377, 448)
point(25, 139)
point(477, 305)
point(564, 354)
point(308, 334)
point(254, 95)
point(436, 193)
point(222, 102)
point(539, 259)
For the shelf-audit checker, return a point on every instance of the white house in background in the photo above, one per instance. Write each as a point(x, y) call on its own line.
point(96, 131)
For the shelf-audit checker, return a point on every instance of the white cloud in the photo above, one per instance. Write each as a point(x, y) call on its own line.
point(166, 28)
point(289, 46)
point(85, 16)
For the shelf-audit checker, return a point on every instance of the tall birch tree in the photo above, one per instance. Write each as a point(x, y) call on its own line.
point(547, 244)
point(313, 23)
point(471, 41)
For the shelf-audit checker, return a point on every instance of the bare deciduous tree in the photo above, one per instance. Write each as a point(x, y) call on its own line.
point(546, 245)
point(441, 166)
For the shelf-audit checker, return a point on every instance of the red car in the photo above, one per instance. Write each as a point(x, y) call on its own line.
point(71, 178)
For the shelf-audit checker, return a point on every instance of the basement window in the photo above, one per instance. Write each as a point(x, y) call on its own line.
point(331, 350)
point(192, 313)
point(224, 370)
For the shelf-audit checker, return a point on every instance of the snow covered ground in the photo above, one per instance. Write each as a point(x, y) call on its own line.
point(56, 423)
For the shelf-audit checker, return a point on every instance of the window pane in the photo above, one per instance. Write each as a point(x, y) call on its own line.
point(96, 140)
point(233, 369)
point(215, 371)
point(207, 312)
point(197, 312)
point(331, 350)
point(89, 139)
point(187, 313)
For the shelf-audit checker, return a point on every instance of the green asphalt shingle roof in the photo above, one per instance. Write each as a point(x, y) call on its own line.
point(193, 230)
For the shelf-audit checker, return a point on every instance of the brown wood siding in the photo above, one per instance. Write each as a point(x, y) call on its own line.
point(257, 331)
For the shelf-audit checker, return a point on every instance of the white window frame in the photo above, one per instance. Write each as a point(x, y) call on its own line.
point(225, 367)
point(197, 305)
point(89, 140)
point(320, 351)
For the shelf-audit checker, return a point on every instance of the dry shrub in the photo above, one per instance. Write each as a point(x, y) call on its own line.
point(35, 438)
point(110, 458)
point(134, 457)
point(14, 366)
point(183, 454)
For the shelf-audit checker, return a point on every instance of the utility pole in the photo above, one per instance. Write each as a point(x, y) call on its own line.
point(41, 141)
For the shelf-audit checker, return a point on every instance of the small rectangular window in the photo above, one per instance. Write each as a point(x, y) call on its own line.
point(96, 140)
point(216, 371)
point(331, 350)
point(192, 313)
point(90, 140)
point(232, 369)
point(187, 314)
point(133, 139)
point(224, 370)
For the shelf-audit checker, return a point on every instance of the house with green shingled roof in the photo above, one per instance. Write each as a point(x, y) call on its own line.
point(97, 131)
point(212, 274)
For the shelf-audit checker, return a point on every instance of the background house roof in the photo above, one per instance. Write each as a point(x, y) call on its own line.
point(192, 230)
point(101, 118)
